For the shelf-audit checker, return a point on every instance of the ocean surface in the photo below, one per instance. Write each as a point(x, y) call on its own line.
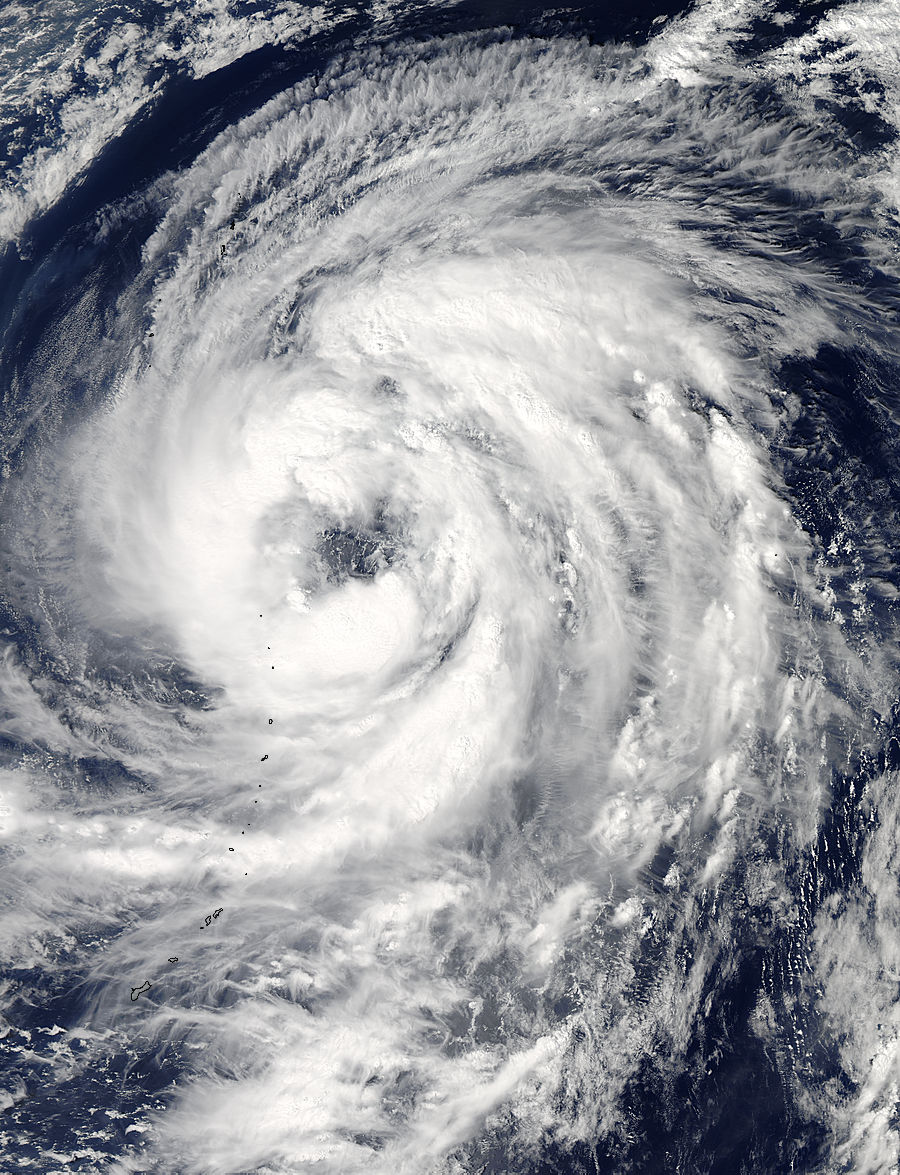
point(449, 525)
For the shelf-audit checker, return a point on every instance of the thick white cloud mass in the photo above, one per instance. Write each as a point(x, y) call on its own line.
point(420, 585)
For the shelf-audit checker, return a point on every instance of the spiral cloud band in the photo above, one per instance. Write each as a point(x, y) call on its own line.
point(433, 544)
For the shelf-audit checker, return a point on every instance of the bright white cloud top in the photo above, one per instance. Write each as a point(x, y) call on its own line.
point(428, 575)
